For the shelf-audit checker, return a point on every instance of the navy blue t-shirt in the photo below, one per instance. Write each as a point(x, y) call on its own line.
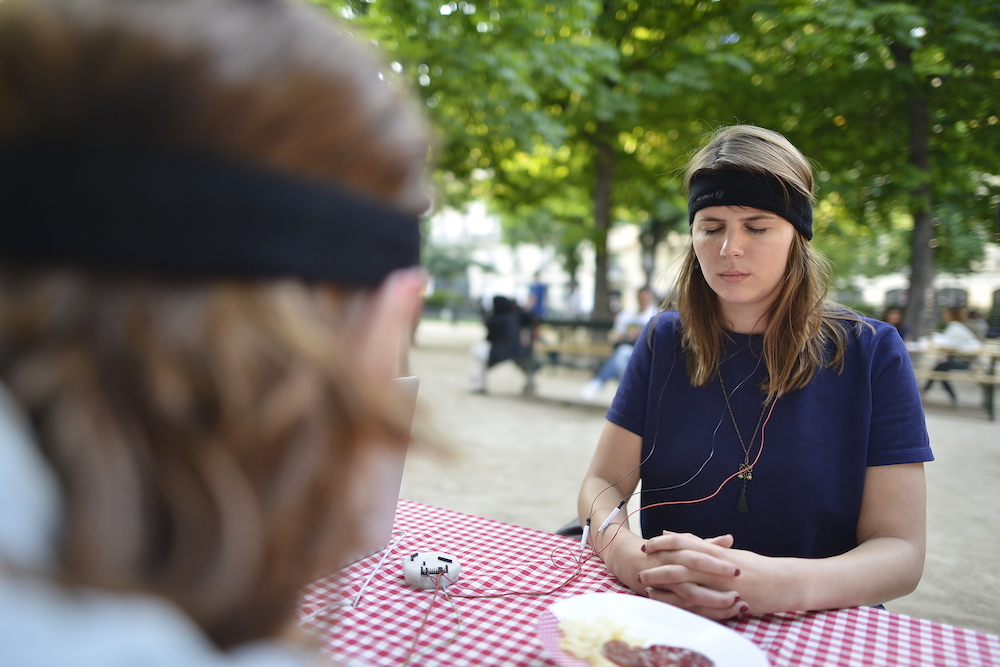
point(805, 494)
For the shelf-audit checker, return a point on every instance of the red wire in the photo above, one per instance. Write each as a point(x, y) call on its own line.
point(621, 524)
point(579, 561)
point(412, 653)
point(576, 573)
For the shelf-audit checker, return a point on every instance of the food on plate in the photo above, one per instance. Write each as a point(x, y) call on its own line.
point(657, 655)
point(604, 643)
point(586, 639)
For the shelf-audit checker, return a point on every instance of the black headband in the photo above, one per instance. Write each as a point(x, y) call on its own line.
point(734, 187)
point(193, 216)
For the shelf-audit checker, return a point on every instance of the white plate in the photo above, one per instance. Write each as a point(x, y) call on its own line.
point(656, 623)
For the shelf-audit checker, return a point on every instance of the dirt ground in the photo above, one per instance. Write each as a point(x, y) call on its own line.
point(521, 460)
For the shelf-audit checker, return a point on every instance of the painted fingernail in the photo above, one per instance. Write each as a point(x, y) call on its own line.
point(643, 548)
point(736, 572)
point(744, 608)
point(736, 599)
point(639, 578)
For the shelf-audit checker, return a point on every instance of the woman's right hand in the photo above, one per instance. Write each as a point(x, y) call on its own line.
point(682, 569)
point(695, 574)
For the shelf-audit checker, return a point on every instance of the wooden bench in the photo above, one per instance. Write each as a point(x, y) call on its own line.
point(982, 372)
point(590, 350)
point(573, 343)
point(974, 376)
point(577, 343)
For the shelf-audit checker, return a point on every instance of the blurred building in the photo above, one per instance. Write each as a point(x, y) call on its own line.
point(500, 269)
point(978, 290)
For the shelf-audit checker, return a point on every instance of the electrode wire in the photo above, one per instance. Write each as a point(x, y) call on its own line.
point(577, 566)
point(577, 571)
point(338, 604)
point(438, 589)
point(449, 596)
point(715, 432)
point(400, 534)
point(656, 431)
point(621, 524)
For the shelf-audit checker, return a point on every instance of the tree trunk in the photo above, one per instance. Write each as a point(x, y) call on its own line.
point(571, 265)
point(602, 222)
point(650, 236)
point(921, 250)
point(921, 268)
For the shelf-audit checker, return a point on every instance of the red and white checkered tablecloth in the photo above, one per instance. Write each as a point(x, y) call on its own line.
point(500, 631)
point(866, 636)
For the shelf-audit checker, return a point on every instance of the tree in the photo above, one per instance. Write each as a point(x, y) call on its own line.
point(499, 81)
point(580, 87)
point(569, 116)
point(898, 103)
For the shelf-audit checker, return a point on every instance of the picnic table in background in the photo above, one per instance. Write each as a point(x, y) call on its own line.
point(580, 344)
point(982, 367)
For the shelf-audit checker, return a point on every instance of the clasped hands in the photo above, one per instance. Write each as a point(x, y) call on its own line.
point(696, 574)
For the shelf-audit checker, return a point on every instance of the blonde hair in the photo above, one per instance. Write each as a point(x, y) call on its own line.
point(202, 430)
point(801, 324)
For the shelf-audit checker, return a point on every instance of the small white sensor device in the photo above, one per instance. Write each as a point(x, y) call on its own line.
point(430, 569)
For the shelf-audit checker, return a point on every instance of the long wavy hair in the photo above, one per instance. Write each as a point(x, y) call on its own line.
point(804, 332)
point(202, 430)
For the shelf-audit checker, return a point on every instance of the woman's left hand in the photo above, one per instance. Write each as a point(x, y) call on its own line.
point(678, 580)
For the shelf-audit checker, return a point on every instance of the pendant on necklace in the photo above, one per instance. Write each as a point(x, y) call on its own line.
point(741, 504)
point(746, 475)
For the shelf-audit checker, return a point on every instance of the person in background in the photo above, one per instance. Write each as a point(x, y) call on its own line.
point(628, 325)
point(977, 324)
point(828, 510)
point(537, 308)
point(505, 324)
point(894, 316)
point(960, 344)
point(537, 298)
point(208, 240)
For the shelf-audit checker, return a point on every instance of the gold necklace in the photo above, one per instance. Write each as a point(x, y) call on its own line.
point(746, 470)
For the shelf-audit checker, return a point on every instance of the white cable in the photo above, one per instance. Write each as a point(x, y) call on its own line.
point(400, 534)
point(611, 516)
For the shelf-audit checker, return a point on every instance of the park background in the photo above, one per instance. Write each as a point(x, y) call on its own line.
point(561, 129)
point(570, 121)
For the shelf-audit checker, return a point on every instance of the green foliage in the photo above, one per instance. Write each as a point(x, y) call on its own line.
point(527, 95)
point(850, 75)
point(444, 298)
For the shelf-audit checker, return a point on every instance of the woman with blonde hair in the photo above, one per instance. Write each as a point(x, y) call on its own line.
point(779, 438)
point(208, 234)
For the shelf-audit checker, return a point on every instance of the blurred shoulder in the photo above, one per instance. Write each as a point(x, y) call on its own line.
point(665, 324)
point(666, 320)
point(863, 332)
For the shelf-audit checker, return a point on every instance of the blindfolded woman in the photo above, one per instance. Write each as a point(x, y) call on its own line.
point(779, 438)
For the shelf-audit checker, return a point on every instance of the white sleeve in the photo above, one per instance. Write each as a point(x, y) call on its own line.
point(622, 320)
point(960, 337)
